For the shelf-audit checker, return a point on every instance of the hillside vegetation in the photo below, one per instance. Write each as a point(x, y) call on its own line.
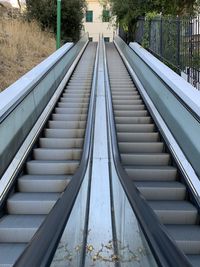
point(22, 46)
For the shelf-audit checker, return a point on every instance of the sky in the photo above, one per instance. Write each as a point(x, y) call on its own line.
point(14, 2)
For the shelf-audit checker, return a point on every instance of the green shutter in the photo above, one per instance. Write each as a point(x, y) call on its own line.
point(106, 16)
point(89, 16)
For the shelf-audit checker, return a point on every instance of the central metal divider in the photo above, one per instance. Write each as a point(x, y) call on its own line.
point(100, 236)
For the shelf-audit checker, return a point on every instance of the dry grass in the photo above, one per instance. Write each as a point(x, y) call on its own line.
point(22, 46)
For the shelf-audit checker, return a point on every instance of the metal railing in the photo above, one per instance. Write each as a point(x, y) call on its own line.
point(175, 41)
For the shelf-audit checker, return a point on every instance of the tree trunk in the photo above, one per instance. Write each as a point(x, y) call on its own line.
point(19, 4)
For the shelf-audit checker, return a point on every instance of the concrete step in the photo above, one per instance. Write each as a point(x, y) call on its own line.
point(152, 173)
point(64, 133)
point(135, 128)
point(76, 96)
point(124, 97)
point(69, 117)
point(10, 252)
point(78, 88)
point(139, 159)
point(19, 228)
point(127, 107)
point(43, 183)
point(187, 237)
point(31, 203)
point(67, 124)
point(130, 147)
point(175, 212)
point(133, 120)
point(132, 113)
point(72, 105)
point(71, 111)
point(194, 259)
point(61, 143)
point(74, 100)
point(137, 137)
point(57, 154)
point(131, 100)
point(129, 92)
point(82, 82)
point(40, 167)
point(153, 190)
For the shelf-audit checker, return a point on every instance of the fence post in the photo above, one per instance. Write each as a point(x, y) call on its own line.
point(150, 33)
point(178, 42)
point(161, 37)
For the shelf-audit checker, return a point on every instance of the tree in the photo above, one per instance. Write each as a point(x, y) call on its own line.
point(128, 11)
point(44, 11)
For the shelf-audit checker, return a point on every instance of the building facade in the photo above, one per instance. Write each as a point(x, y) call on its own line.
point(98, 21)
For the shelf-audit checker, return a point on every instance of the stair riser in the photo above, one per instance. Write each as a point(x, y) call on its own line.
point(141, 147)
point(70, 111)
point(145, 160)
point(162, 194)
point(135, 128)
point(176, 217)
point(42, 186)
point(59, 143)
point(51, 168)
point(133, 120)
point(138, 137)
point(56, 133)
point(151, 175)
point(46, 154)
point(67, 125)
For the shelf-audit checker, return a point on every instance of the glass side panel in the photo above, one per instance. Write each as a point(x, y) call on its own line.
point(132, 247)
point(70, 248)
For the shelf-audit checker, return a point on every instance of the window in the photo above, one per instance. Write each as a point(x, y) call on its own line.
point(106, 16)
point(90, 39)
point(107, 39)
point(89, 16)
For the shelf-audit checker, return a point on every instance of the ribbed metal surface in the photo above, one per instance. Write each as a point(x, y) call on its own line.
point(147, 163)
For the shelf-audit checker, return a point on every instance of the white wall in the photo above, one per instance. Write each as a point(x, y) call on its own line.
point(97, 26)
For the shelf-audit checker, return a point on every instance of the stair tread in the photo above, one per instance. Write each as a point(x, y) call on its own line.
point(172, 205)
point(157, 184)
point(34, 197)
point(151, 167)
point(10, 252)
point(194, 259)
point(21, 221)
point(185, 232)
point(52, 161)
point(45, 177)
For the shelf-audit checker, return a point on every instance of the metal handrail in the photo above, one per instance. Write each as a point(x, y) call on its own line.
point(185, 102)
point(164, 249)
point(41, 249)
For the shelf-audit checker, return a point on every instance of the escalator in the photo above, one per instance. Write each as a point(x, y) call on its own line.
point(148, 163)
point(51, 165)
